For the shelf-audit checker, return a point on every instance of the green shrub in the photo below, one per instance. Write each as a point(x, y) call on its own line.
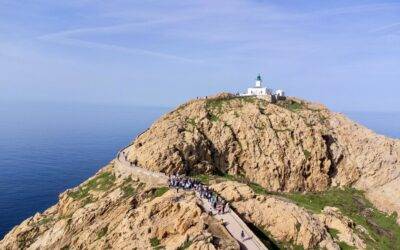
point(382, 228)
point(185, 245)
point(214, 118)
point(191, 121)
point(102, 232)
point(343, 246)
point(128, 191)
point(102, 182)
point(306, 153)
point(291, 105)
point(155, 243)
point(160, 191)
point(333, 232)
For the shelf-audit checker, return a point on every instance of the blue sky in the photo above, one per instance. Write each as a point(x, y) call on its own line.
point(345, 54)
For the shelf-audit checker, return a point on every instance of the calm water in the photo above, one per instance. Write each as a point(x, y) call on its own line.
point(45, 149)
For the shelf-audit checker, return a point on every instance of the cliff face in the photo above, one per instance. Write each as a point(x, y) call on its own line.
point(116, 210)
point(252, 153)
point(292, 145)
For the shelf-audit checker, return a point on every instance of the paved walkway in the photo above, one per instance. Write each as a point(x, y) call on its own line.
point(231, 220)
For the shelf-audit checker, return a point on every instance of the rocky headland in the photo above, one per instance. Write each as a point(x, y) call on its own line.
point(298, 174)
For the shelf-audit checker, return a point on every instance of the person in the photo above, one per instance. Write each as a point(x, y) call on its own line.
point(226, 210)
point(242, 235)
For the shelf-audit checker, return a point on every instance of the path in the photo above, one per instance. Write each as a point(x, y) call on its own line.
point(232, 221)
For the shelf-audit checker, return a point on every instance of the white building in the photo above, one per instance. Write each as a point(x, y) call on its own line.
point(262, 92)
point(279, 93)
point(258, 89)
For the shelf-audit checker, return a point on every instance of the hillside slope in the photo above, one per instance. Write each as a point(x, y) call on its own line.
point(295, 172)
point(292, 145)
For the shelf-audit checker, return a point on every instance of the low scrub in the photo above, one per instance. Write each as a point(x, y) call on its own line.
point(291, 105)
point(160, 191)
point(384, 232)
point(102, 182)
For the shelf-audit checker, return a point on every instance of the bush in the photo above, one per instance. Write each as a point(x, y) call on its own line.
point(102, 232)
point(382, 228)
point(102, 182)
point(160, 191)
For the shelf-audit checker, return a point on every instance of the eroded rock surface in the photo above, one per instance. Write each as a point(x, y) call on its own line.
point(288, 223)
point(292, 145)
point(111, 212)
point(289, 146)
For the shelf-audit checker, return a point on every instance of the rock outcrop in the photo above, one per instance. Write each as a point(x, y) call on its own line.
point(289, 146)
point(111, 211)
point(292, 145)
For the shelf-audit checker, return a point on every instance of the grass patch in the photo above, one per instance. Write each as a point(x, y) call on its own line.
point(214, 118)
point(382, 228)
point(185, 245)
point(191, 121)
point(160, 191)
point(44, 221)
point(258, 189)
point(307, 154)
point(216, 103)
point(291, 105)
point(102, 182)
point(87, 200)
point(343, 246)
point(218, 177)
point(102, 232)
point(128, 191)
point(203, 178)
point(333, 232)
point(155, 243)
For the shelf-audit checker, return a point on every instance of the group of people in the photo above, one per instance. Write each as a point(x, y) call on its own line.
point(217, 202)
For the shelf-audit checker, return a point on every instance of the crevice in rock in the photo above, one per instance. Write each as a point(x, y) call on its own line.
point(329, 140)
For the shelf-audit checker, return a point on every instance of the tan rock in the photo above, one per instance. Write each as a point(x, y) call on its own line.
point(285, 221)
point(293, 145)
point(333, 218)
point(111, 220)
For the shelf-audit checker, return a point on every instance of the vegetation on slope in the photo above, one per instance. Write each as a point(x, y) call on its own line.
point(383, 230)
point(102, 182)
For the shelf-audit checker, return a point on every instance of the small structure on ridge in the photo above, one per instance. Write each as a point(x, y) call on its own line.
point(263, 92)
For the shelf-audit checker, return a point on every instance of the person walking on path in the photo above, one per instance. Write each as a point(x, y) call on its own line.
point(226, 209)
point(242, 235)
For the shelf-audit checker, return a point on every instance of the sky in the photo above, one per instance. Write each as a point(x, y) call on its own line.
point(345, 54)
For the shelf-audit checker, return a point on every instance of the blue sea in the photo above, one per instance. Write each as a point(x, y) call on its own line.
point(46, 148)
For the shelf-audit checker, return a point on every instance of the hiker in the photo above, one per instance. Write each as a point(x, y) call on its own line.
point(226, 209)
point(242, 235)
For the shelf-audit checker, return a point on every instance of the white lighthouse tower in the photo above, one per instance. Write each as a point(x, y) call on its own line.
point(264, 93)
point(258, 89)
point(258, 81)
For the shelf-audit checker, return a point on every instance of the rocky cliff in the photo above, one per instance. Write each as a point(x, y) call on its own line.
point(296, 172)
point(292, 145)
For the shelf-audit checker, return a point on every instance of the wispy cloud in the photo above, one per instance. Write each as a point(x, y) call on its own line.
point(121, 49)
point(70, 37)
point(388, 29)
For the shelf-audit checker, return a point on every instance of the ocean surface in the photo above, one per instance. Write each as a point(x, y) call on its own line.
point(47, 148)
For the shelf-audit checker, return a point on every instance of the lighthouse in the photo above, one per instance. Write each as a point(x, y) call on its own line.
point(258, 89)
point(258, 81)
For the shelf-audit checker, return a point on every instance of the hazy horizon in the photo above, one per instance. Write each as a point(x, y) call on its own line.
point(344, 54)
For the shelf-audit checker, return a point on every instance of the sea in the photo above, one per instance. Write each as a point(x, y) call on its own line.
point(46, 148)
